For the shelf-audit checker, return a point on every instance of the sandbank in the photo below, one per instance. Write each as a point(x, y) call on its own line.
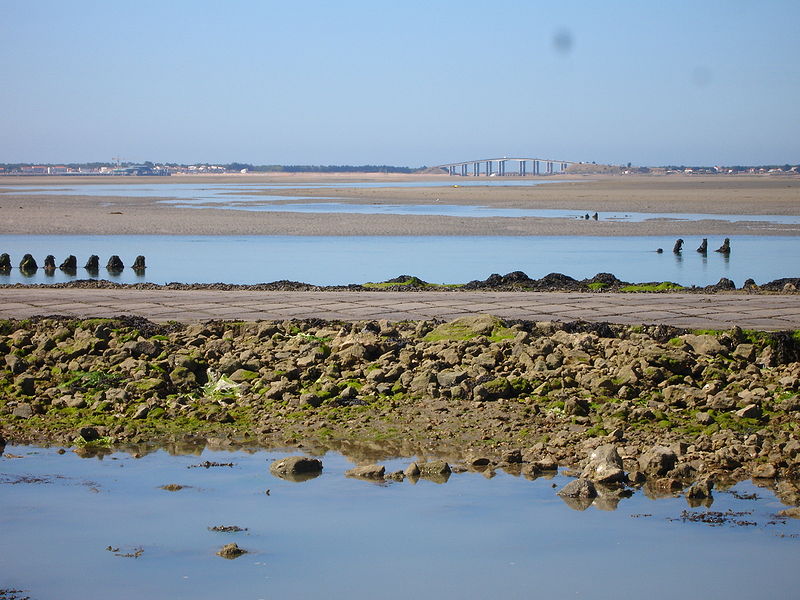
point(738, 195)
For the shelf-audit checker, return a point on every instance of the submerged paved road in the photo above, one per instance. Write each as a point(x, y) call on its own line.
point(707, 311)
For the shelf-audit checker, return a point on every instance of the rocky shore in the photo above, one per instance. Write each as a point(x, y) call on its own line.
point(515, 281)
point(670, 409)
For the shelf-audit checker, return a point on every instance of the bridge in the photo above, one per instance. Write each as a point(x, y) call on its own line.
point(492, 167)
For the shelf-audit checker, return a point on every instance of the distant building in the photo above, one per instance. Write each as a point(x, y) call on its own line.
point(139, 170)
point(34, 170)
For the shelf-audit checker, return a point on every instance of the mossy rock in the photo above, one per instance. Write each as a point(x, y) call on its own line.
point(242, 375)
point(156, 413)
point(149, 385)
point(183, 377)
point(664, 286)
point(467, 328)
point(499, 388)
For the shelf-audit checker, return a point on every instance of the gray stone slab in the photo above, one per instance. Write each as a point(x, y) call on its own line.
point(685, 310)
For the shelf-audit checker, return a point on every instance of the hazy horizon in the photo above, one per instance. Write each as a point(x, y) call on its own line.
point(405, 84)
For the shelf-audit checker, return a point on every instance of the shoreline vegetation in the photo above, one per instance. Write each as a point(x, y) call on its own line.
point(671, 409)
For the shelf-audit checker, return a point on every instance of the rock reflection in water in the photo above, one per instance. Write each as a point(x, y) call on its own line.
point(492, 537)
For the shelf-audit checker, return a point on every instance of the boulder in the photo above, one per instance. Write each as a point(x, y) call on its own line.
point(704, 344)
point(16, 364)
point(745, 352)
point(28, 264)
point(751, 411)
point(69, 265)
point(93, 264)
point(367, 472)
point(412, 470)
point(89, 434)
point(723, 284)
point(700, 489)
point(465, 328)
point(578, 488)
point(26, 384)
point(477, 460)
point(545, 463)
point(451, 378)
point(142, 348)
point(140, 412)
point(434, 468)
point(115, 264)
point(50, 263)
point(5, 262)
point(658, 461)
point(295, 465)
point(139, 264)
point(231, 551)
point(792, 448)
point(725, 248)
point(513, 456)
point(243, 375)
point(604, 466)
point(578, 407)
point(183, 377)
point(764, 471)
point(23, 411)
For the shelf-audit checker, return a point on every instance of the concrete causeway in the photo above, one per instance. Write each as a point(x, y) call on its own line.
point(699, 311)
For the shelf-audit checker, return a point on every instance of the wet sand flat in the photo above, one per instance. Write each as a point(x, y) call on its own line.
point(741, 195)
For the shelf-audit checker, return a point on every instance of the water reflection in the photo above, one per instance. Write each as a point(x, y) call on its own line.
point(471, 538)
point(297, 477)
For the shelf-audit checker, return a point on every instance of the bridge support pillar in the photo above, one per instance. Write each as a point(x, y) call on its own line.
point(522, 168)
point(476, 168)
point(488, 168)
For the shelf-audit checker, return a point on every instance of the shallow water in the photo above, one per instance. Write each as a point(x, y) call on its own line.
point(332, 260)
point(270, 204)
point(238, 190)
point(335, 537)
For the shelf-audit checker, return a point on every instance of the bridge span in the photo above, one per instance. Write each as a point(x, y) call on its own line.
point(492, 167)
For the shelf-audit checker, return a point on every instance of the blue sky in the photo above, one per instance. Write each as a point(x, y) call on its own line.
point(403, 83)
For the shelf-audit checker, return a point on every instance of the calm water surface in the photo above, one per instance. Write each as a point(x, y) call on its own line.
point(335, 537)
point(330, 260)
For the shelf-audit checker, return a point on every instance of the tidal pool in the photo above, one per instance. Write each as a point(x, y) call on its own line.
point(337, 537)
point(333, 260)
point(240, 190)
